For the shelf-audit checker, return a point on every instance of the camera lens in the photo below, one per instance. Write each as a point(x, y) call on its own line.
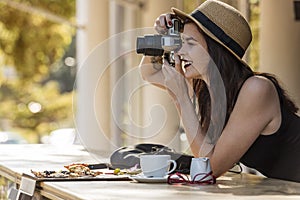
point(149, 45)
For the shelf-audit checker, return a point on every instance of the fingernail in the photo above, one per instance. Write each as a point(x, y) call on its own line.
point(170, 23)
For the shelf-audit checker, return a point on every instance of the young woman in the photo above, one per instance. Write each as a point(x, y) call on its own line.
point(246, 116)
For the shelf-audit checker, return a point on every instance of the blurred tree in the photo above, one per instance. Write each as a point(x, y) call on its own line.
point(30, 41)
point(33, 109)
point(31, 45)
point(254, 23)
point(64, 71)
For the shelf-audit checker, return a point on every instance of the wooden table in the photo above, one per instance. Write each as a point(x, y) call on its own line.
point(230, 186)
point(18, 159)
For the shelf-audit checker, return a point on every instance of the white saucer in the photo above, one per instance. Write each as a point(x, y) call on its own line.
point(144, 179)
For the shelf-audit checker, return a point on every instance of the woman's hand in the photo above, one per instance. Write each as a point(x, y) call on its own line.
point(162, 23)
point(175, 82)
point(150, 66)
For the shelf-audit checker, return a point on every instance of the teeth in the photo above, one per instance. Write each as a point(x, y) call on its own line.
point(186, 63)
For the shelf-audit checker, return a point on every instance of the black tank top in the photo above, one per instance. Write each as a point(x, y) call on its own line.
point(278, 155)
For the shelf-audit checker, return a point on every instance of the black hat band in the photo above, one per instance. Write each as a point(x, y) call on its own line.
point(218, 32)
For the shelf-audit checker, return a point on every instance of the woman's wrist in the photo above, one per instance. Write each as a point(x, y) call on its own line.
point(157, 62)
point(181, 100)
point(183, 103)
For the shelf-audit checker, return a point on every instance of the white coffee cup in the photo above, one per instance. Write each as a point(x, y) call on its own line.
point(199, 168)
point(156, 165)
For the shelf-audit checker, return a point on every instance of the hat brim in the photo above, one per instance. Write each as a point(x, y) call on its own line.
point(182, 15)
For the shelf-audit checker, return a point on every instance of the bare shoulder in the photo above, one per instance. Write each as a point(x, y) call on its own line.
point(256, 112)
point(259, 87)
point(258, 96)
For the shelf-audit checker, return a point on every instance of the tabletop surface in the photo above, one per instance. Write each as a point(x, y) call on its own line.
point(18, 159)
point(231, 186)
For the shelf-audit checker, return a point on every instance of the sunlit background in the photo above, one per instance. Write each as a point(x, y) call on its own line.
point(43, 42)
point(37, 68)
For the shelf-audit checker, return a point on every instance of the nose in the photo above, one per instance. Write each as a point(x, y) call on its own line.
point(182, 50)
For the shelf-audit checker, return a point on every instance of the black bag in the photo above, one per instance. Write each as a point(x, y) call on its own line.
point(127, 157)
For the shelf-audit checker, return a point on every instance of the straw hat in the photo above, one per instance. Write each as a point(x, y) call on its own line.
point(222, 23)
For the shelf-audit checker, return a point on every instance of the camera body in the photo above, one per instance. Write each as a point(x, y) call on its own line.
point(161, 45)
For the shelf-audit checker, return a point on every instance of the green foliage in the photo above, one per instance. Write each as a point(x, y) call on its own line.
point(191, 5)
point(34, 108)
point(30, 44)
point(254, 23)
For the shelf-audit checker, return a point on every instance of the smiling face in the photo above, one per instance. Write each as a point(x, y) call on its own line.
point(193, 53)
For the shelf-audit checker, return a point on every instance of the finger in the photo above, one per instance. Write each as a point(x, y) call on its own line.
point(158, 28)
point(166, 62)
point(165, 72)
point(169, 20)
point(168, 70)
point(162, 20)
point(160, 25)
point(178, 66)
point(157, 22)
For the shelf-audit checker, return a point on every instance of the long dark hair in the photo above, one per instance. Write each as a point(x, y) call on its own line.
point(234, 73)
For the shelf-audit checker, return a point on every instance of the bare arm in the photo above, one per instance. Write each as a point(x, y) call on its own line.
point(150, 67)
point(189, 117)
point(178, 87)
point(151, 70)
point(256, 107)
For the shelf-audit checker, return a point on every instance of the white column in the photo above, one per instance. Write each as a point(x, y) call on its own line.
point(92, 117)
point(117, 69)
point(134, 114)
point(280, 44)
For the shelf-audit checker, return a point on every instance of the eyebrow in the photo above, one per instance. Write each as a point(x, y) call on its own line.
point(189, 39)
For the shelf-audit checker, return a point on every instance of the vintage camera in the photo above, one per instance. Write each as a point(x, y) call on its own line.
point(161, 45)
